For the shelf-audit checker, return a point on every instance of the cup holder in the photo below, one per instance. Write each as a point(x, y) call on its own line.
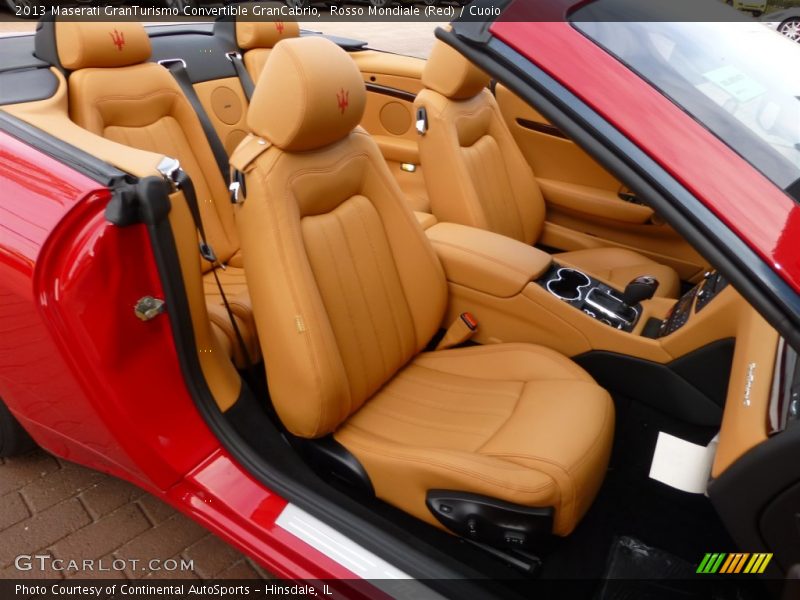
point(568, 284)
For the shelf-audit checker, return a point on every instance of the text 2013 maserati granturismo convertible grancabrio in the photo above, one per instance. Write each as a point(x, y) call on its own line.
point(525, 311)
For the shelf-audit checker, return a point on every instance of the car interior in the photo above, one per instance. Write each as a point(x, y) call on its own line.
point(420, 287)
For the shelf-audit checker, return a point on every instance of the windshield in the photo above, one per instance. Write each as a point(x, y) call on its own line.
point(739, 79)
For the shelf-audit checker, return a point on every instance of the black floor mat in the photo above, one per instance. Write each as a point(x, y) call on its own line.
point(631, 504)
point(636, 571)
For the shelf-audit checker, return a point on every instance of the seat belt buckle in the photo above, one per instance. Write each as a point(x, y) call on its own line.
point(461, 330)
point(470, 321)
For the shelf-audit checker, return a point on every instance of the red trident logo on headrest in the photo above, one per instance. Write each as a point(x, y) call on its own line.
point(118, 38)
point(343, 99)
point(280, 27)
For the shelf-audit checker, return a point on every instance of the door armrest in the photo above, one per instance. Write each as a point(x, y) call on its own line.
point(593, 202)
point(398, 149)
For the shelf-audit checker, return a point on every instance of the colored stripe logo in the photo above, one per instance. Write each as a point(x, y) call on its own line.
point(737, 562)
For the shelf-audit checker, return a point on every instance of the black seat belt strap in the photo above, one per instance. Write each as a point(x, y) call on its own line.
point(241, 72)
point(177, 67)
point(184, 183)
point(181, 181)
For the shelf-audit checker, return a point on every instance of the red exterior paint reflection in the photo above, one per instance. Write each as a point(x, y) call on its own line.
point(85, 376)
point(752, 206)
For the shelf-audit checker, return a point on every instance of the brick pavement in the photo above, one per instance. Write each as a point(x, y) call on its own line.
point(53, 507)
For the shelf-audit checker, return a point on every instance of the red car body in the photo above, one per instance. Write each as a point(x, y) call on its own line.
point(93, 386)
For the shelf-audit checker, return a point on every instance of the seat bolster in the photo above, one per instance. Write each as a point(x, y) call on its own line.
point(254, 61)
point(534, 436)
point(221, 321)
point(403, 475)
point(617, 266)
point(452, 196)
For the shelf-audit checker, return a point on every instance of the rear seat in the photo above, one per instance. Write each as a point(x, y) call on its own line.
point(114, 92)
point(258, 38)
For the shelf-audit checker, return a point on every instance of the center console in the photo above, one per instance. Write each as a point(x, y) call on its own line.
point(520, 294)
point(590, 296)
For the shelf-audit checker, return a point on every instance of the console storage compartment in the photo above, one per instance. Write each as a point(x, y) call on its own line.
point(486, 261)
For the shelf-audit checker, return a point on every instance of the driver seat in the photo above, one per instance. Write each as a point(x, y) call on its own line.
point(347, 292)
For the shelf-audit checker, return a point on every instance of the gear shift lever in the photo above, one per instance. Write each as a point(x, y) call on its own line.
point(641, 288)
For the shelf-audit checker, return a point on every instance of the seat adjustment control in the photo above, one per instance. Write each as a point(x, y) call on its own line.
point(489, 521)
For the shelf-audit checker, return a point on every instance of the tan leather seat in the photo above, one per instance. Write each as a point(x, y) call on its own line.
point(116, 93)
point(258, 38)
point(476, 175)
point(347, 292)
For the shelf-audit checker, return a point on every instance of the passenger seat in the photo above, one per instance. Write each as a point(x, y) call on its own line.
point(348, 292)
point(114, 92)
point(476, 174)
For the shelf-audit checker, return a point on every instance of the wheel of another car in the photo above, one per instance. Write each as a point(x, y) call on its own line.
point(14, 439)
point(432, 2)
point(23, 8)
point(791, 28)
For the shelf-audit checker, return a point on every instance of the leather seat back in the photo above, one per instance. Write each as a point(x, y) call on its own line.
point(258, 38)
point(346, 288)
point(115, 93)
point(474, 171)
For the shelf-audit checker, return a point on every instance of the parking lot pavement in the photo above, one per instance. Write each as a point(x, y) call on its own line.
point(49, 506)
point(56, 508)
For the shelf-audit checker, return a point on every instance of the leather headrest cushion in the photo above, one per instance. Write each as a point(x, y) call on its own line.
point(264, 34)
point(84, 44)
point(309, 95)
point(452, 75)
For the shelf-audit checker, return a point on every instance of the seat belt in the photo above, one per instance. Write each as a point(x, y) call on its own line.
point(177, 66)
point(462, 329)
point(241, 72)
point(181, 181)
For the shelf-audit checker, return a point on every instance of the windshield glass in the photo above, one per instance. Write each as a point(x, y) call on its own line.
point(741, 80)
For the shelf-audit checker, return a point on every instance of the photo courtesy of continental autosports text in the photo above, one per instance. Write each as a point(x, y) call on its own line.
point(420, 299)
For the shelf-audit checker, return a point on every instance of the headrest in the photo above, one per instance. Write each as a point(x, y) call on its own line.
point(310, 94)
point(264, 34)
point(84, 44)
point(452, 75)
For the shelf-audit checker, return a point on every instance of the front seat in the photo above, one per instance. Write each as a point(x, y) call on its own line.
point(347, 292)
point(116, 93)
point(476, 174)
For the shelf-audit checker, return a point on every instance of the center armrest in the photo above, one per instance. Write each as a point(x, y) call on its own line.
point(486, 261)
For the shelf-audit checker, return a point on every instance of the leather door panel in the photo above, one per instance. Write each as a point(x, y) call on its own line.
point(393, 82)
point(585, 208)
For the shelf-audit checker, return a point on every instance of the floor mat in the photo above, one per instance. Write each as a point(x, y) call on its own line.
point(636, 571)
